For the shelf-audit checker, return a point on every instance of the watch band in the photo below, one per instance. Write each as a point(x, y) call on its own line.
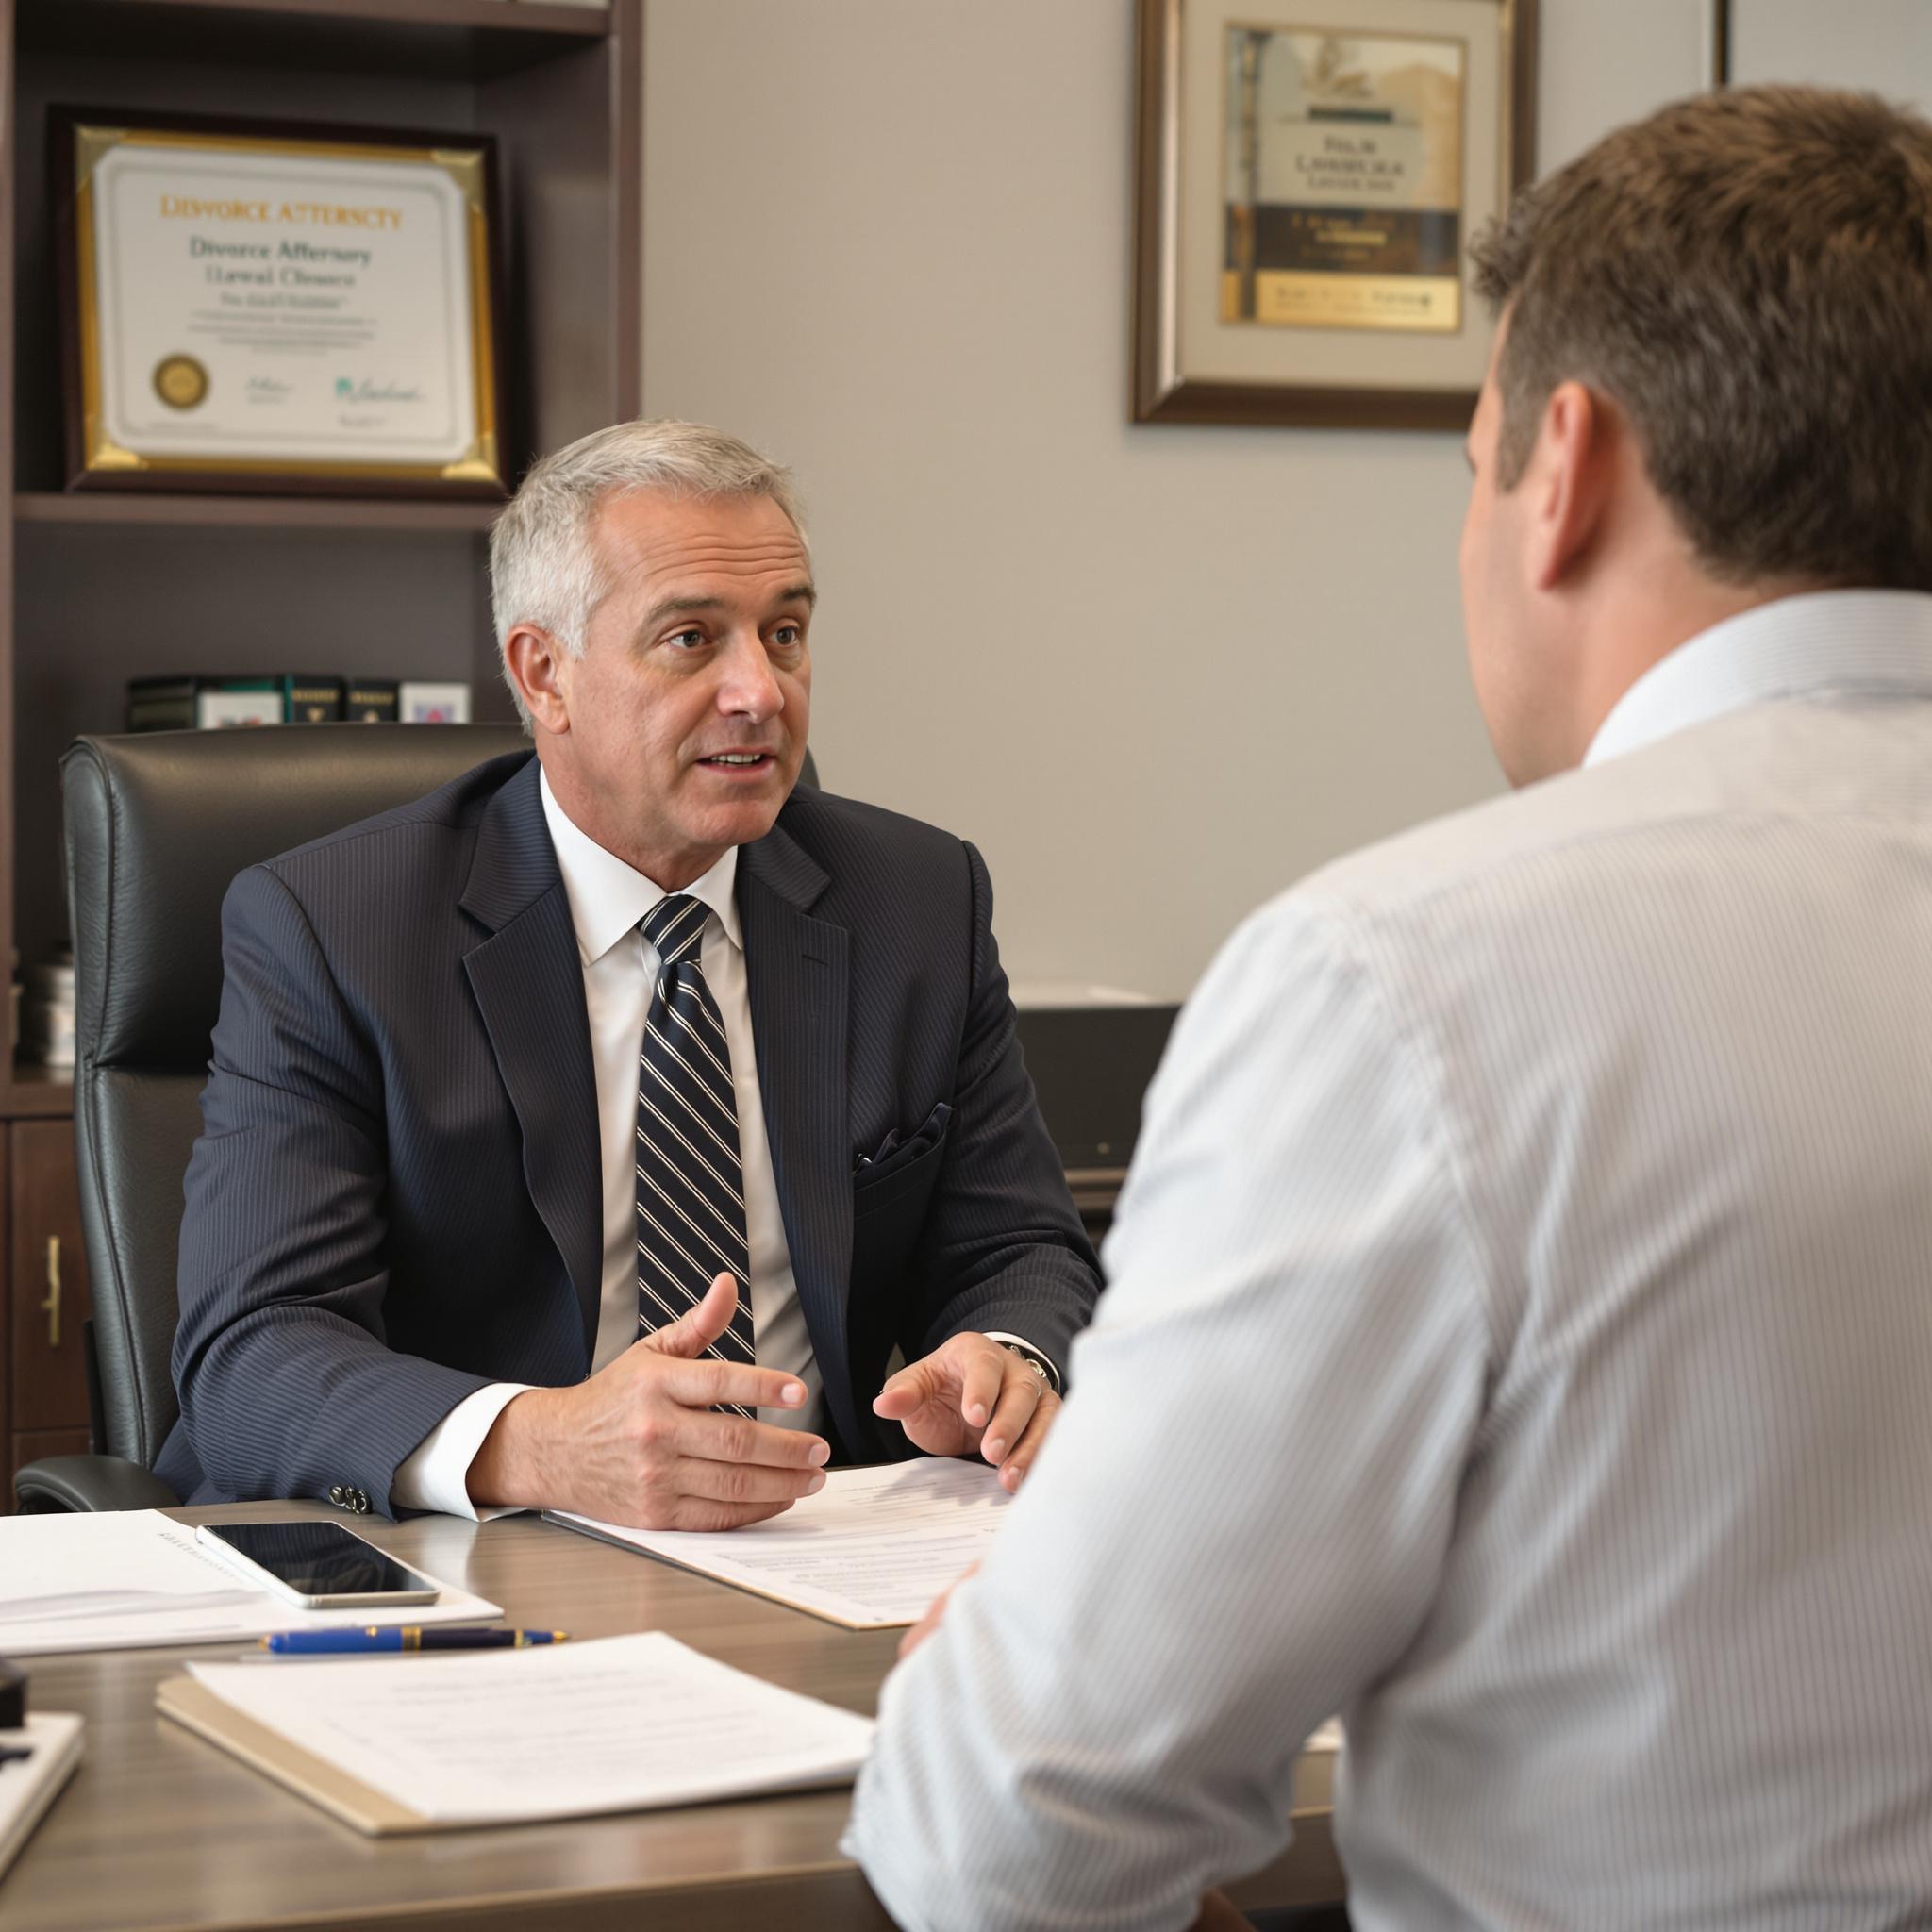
point(1036, 1363)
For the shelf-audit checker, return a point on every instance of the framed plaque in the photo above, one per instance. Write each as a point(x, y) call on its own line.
point(1311, 173)
point(287, 309)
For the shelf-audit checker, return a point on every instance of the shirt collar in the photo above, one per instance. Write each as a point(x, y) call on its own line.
point(608, 897)
point(1823, 644)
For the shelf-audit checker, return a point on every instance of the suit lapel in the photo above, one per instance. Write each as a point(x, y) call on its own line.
point(797, 969)
point(529, 986)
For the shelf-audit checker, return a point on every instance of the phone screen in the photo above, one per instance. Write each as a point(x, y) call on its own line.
point(319, 1559)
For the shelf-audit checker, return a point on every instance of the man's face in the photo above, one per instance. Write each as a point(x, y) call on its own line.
point(687, 709)
point(1495, 618)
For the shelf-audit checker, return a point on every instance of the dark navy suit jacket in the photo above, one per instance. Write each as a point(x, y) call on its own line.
point(397, 1195)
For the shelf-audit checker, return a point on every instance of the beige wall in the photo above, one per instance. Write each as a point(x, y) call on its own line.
point(1156, 673)
point(1883, 44)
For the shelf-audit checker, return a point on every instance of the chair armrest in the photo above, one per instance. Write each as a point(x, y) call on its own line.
point(90, 1482)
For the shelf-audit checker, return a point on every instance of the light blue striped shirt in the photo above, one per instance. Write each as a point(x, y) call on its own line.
point(1520, 1342)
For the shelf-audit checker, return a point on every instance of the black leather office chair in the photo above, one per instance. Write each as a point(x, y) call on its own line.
point(158, 825)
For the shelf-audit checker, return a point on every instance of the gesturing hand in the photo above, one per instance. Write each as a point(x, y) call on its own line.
point(973, 1393)
point(637, 1444)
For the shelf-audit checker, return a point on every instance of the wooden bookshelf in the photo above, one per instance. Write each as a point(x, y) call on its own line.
point(404, 515)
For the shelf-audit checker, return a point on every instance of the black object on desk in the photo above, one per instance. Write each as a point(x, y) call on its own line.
point(1091, 1065)
point(12, 1697)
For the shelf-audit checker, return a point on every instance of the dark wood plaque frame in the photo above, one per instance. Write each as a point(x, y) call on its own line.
point(1162, 391)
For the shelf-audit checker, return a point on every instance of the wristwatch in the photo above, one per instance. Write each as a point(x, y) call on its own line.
point(1049, 1375)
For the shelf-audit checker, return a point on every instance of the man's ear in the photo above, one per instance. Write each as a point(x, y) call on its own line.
point(539, 667)
point(1568, 484)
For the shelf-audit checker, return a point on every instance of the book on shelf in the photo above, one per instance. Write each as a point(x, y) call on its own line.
point(309, 699)
point(372, 701)
point(202, 704)
point(196, 703)
point(420, 702)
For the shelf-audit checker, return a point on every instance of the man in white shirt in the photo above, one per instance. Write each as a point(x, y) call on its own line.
point(1541, 1201)
point(589, 1133)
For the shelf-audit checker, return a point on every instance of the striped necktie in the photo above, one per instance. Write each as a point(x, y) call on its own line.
point(691, 1187)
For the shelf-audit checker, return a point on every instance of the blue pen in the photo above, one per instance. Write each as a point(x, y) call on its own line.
point(372, 1641)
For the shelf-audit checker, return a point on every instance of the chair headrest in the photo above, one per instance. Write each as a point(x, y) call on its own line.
point(158, 825)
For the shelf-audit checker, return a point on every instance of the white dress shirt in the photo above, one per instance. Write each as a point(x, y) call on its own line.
point(1519, 1340)
point(608, 900)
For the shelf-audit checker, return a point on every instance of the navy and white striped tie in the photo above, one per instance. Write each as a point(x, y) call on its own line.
point(691, 1187)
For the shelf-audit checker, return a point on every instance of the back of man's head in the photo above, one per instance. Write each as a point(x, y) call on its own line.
point(1748, 276)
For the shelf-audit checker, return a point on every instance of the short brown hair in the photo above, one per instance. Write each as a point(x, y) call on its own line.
point(1748, 276)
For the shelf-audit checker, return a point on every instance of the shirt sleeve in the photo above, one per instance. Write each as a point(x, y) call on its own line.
point(435, 1474)
point(1241, 1516)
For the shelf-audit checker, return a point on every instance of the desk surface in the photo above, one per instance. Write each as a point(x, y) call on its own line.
point(161, 1830)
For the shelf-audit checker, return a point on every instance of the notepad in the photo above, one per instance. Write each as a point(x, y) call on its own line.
point(132, 1579)
point(28, 1787)
point(870, 1551)
point(622, 1723)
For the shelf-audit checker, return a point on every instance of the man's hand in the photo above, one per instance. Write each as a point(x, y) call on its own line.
point(973, 1393)
point(636, 1443)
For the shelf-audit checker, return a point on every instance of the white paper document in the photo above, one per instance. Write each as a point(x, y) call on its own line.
point(132, 1579)
point(871, 1550)
point(623, 1724)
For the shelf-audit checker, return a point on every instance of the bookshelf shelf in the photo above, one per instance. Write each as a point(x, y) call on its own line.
point(107, 507)
point(471, 38)
point(37, 1093)
point(508, 16)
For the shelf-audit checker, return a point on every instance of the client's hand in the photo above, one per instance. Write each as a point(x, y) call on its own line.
point(637, 1442)
point(973, 1393)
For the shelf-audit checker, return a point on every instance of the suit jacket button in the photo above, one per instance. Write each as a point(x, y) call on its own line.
point(336, 1494)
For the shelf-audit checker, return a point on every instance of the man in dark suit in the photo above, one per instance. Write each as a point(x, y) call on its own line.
point(587, 1134)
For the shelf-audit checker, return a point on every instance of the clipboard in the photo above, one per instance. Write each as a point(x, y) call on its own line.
point(373, 1813)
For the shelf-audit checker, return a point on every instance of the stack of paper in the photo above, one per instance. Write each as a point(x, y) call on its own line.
point(131, 1579)
point(626, 1723)
point(871, 1550)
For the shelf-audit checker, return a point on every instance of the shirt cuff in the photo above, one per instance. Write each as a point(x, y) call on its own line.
point(1033, 1348)
point(436, 1474)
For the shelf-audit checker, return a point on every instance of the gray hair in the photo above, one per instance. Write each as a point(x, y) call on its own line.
point(543, 566)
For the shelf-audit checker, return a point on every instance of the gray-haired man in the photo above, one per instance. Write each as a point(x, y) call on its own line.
point(587, 1134)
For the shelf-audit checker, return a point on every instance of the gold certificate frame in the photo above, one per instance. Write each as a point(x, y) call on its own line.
point(291, 309)
point(1310, 175)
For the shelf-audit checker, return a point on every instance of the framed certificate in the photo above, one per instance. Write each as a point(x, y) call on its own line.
point(289, 309)
point(1311, 173)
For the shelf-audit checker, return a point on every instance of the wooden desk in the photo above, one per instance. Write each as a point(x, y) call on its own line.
point(161, 1830)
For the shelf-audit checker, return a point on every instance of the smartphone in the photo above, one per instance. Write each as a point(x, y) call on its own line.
point(316, 1566)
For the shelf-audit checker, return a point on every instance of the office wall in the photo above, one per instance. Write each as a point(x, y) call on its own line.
point(1882, 45)
point(1155, 673)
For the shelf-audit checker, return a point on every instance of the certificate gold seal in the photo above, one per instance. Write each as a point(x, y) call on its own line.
point(180, 381)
